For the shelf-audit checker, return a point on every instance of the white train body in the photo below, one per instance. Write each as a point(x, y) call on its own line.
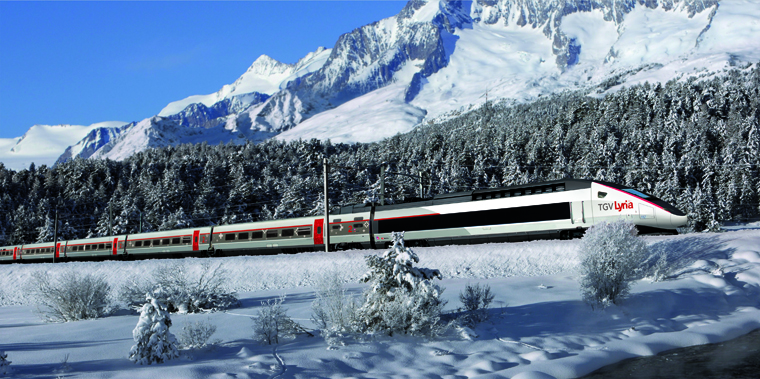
point(559, 209)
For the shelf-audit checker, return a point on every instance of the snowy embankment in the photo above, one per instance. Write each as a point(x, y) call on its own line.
point(538, 328)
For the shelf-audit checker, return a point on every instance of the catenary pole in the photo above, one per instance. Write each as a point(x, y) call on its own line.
point(327, 209)
point(110, 220)
point(55, 235)
point(382, 185)
point(421, 185)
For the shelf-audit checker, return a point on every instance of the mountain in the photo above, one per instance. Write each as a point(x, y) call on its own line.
point(438, 58)
point(43, 144)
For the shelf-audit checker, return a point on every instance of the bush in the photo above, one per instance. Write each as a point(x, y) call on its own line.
point(272, 323)
point(611, 255)
point(205, 292)
point(334, 312)
point(154, 342)
point(71, 296)
point(401, 298)
point(475, 300)
point(196, 335)
point(4, 362)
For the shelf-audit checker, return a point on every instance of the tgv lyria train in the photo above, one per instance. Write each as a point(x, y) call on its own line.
point(558, 209)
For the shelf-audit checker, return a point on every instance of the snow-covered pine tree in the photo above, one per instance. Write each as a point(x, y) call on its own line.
point(401, 298)
point(154, 342)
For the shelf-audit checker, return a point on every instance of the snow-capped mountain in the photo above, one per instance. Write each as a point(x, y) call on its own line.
point(265, 76)
point(43, 144)
point(439, 57)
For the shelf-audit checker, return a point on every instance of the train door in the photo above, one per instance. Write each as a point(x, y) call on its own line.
point(15, 252)
point(646, 212)
point(318, 226)
point(58, 250)
point(115, 246)
point(196, 237)
point(577, 212)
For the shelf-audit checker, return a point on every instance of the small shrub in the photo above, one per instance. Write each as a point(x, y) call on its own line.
point(196, 335)
point(475, 301)
point(4, 362)
point(333, 311)
point(272, 323)
point(183, 293)
point(401, 298)
point(71, 296)
point(661, 268)
point(154, 342)
point(611, 257)
point(65, 366)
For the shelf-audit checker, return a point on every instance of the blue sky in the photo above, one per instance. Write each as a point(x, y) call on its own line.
point(87, 62)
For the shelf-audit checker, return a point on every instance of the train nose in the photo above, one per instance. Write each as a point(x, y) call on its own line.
point(678, 221)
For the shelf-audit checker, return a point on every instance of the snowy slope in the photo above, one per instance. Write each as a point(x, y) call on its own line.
point(43, 144)
point(539, 326)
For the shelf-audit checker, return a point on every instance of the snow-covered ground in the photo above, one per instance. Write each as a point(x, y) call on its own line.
point(539, 327)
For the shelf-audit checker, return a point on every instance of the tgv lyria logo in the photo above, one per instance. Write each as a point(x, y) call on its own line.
point(617, 206)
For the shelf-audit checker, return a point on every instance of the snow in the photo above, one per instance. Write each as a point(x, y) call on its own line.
point(539, 327)
point(655, 35)
point(377, 115)
point(735, 24)
point(43, 144)
point(595, 35)
point(505, 61)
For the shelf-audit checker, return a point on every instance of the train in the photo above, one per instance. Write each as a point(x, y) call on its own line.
point(561, 209)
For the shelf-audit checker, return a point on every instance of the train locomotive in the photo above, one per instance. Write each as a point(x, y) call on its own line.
point(561, 209)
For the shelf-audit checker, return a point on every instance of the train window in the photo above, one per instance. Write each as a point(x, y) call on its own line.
point(108, 246)
point(304, 232)
point(101, 246)
point(560, 187)
point(517, 193)
point(175, 241)
point(336, 227)
point(166, 241)
point(507, 194)
point(528, 191)
point(478, 197)
point(636, 193)
point(548, 189)
point(336, 220)
point(186, 240)
point(496, 195)
point(243, 236)
point(288, 232)
point(271, 233)
point(358, 218)
point(257, 234)
point(229, 237)
point(356, 226)
point(601, 194)
point(319, 230)
point(138, 243)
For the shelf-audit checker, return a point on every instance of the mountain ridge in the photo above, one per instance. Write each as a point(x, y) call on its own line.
point(436, 57)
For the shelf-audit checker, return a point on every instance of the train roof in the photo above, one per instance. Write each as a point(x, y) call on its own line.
point(462, 197)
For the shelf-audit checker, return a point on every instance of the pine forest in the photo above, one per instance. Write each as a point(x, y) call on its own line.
point(694, 143)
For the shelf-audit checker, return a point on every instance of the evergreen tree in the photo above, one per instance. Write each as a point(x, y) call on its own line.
point(153, 341)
